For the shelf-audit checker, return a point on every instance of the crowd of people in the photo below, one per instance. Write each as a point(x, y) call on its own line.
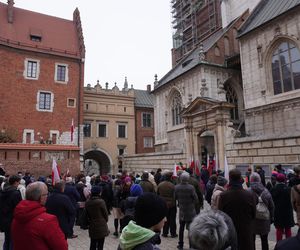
point(144, 209)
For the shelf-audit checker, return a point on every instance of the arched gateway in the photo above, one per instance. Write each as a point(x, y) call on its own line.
point(206, 121)
point(97, 162)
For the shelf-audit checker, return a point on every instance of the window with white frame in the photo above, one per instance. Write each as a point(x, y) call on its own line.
point(45, 101)
point(61, 73)
point(28, 136)
point(148, 142)
point(122, 130)
point(31, 69)
point(102, 129)
point(286, 68)
point(71, 103)
point(146, 120)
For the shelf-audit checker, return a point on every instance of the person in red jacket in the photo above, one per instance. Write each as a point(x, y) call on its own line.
point(31, 223)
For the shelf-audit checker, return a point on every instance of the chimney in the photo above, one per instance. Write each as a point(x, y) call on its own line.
point(10, 11)
point(149, 87)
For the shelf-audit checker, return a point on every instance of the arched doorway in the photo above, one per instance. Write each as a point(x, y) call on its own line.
point(97, 162)
point(206, 146)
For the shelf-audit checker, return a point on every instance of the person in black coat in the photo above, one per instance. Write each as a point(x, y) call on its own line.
point(283, 216)
point(74, 196)
point(292, 243)
point(9, 199)
point(60, 205)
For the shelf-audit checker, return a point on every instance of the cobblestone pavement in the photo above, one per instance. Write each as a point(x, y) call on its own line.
point(111, 242)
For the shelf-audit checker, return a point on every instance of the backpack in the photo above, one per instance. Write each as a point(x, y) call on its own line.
point(262, 211)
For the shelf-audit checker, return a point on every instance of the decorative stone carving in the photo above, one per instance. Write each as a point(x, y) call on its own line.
point(203, 89)
point(201, 53)
point(77, 20)
point(221, 90)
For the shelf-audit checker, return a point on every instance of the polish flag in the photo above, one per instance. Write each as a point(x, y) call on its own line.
point(192, 164)
point(176, 168)
point(226, 168)
point(197, 172)
point(209, 165)
point(55, 172)
point(72, 130)
point(216, 162)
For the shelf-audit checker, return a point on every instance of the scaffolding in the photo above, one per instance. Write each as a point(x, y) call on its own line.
point(192, 21)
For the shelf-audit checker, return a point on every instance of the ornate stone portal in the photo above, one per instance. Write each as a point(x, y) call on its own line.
point(202, 115)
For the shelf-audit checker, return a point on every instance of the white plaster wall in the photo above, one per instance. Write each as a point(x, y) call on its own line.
point(231, 9)
point(257, 78)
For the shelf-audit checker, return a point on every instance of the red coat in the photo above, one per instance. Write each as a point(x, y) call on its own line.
point(33, 228)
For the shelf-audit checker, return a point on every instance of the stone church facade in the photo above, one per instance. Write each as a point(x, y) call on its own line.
point(236, 94)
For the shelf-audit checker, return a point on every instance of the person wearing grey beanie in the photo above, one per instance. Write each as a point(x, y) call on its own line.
point(187, 199)
point(212, 230)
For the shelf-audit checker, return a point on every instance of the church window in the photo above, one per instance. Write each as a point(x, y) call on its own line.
point(226, 46)
point(232, 98)
point(176, 109)
point(286, 68)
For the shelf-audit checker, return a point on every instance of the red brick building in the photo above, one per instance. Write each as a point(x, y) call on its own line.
point(41, 80)
point(144, 115)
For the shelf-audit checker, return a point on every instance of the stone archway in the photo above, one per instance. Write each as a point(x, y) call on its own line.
point(203, 115)
point(206, 146)
point(97, 162)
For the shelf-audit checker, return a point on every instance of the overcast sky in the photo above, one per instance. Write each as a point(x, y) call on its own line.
point(130, 38)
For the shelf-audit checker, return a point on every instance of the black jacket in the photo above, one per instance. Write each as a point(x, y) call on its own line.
point(73, 194)
point(283, 216)
point(9, 199)
point(60, 205)
point(292, 243)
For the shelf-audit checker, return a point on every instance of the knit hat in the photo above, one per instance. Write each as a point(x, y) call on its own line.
point(221, 181)
point(127, 179)
point(184, 177)
point(96, 190)
point(136, 190)
point(150, 209)
point(280, 178)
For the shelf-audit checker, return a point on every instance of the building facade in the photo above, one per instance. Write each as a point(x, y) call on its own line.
point(109, 127)
point(236, 96)
point(269, 43)
point(144, 121)
point(41, 90)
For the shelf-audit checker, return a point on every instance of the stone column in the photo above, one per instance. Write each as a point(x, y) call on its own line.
point(220, 140)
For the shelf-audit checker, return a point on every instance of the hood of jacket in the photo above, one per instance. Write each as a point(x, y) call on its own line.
point(133, 235)
point(219, 188)
point(27, 210)
point(257, 187)
point(8, 190)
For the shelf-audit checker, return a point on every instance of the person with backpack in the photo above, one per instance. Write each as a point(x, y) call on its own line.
point(264, 210)
point(283, 215)
point(10, 197)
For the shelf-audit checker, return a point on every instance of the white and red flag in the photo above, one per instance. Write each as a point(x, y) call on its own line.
point(55, 172)
point(175, 170)
point(226, 168)
point(72, 130)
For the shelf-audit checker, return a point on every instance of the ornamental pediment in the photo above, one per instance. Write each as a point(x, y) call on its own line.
point(204, 104)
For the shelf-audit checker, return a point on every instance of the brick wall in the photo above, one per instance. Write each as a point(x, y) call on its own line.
point(142, 132)
point(37, 159)
point(18, 96)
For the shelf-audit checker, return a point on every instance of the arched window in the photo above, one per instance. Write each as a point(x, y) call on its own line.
point(235, 41)
point(232, 98)
point(286, 68)
point(176, 109)
point(226, 46)
point(217, 51)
